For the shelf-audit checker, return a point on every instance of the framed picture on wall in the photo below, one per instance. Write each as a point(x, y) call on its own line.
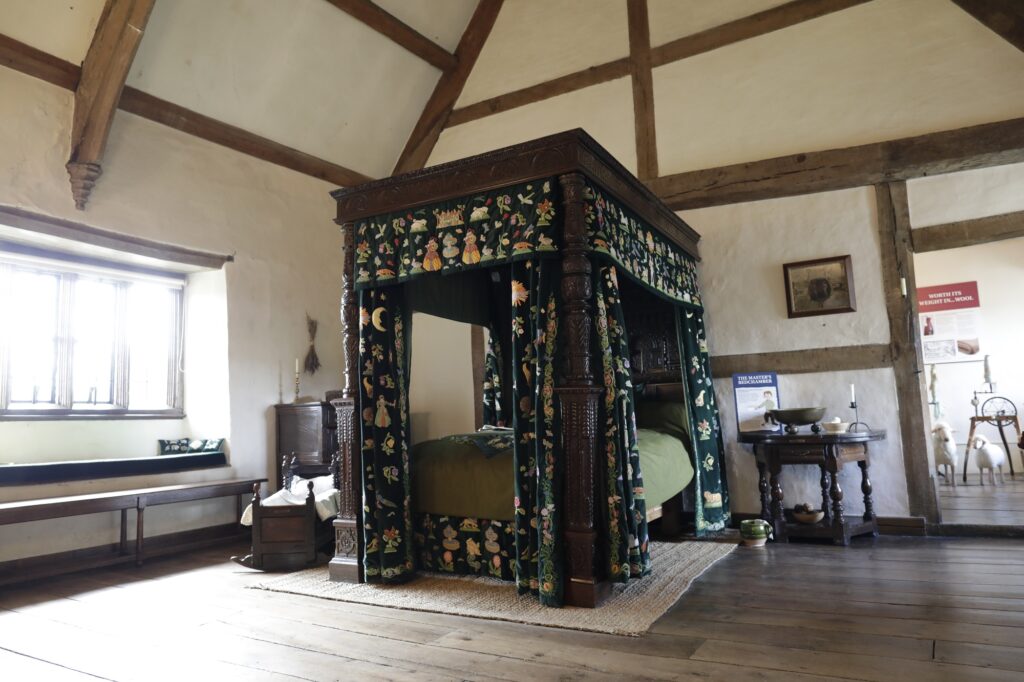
point(823, 286)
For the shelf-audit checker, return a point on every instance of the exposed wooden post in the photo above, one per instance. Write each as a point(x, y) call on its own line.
point(104, 70)
point(897, 258)
point(643, 89)
point(347, 565)
point(439, 107)
point(578, 392)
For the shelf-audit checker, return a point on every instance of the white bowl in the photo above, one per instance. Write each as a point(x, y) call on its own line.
point(808, 517)
point(835, 427)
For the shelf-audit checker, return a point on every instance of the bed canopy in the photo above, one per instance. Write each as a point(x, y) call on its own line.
point(531, 241)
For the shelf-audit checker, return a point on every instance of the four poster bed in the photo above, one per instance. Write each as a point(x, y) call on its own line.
point(597, 366)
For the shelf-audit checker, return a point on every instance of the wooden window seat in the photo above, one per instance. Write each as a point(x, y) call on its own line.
point(138, 499)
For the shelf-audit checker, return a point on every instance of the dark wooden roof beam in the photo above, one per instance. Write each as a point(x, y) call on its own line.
point(390, 26)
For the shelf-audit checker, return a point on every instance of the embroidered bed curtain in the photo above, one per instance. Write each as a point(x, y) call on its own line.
point(518, 228)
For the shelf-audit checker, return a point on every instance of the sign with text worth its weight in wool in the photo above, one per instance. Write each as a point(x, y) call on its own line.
point(949, 316)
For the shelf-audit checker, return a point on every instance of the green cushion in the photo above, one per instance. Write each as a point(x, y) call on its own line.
point(665, 464)
point(672, 417)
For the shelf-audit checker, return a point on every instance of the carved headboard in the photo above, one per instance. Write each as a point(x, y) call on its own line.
point(653, 347)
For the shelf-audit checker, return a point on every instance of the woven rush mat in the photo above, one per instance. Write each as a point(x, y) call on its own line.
point(630, 610)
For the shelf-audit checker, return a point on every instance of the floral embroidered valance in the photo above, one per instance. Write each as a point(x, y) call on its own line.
point(483, 230)
point(639, 249)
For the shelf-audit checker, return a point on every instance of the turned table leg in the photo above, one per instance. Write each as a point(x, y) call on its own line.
point(838, 522)
point(778, 519)
point(825, 506)
point(762, 486)
point(865, 487)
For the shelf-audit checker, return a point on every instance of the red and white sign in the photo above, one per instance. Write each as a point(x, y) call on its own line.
point(950, 322)
point(948, 297)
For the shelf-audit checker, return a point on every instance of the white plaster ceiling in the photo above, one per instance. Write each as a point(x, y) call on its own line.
point(536, 40)
point(301, 72)
point(63, 28)
point(442, 21)
point(878, 71)
point(671, 19)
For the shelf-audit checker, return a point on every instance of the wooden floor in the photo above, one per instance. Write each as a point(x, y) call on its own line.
point(907, 609)
point(998, 505)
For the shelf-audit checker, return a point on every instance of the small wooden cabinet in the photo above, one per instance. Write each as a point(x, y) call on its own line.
point(307, 431)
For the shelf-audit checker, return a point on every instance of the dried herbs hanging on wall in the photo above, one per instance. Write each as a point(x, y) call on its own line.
point(312, 361)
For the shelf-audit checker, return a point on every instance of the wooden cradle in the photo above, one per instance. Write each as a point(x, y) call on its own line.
point(574, 158)
point(286, 538)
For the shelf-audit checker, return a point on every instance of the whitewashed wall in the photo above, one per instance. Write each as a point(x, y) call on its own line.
point(168, 186)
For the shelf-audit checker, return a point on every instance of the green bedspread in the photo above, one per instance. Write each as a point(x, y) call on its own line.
point(455, 478)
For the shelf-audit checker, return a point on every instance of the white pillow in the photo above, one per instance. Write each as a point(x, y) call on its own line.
point(321, 484)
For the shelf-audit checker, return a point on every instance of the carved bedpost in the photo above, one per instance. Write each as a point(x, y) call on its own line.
point(347, 562)
point(579, 394)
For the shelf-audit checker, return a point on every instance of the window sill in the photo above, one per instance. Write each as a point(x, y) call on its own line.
point(86, 415)
point(56, 472)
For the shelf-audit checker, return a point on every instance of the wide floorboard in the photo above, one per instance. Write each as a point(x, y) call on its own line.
point(894, 608)
point(993, 505)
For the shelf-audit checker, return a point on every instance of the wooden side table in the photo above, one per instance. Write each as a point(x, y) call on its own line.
point(829, 452)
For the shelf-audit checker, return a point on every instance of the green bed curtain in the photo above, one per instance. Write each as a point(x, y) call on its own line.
point(625, 508)
point(711, 488)
point(535, 420)
point(493, 414)
point(384, 403)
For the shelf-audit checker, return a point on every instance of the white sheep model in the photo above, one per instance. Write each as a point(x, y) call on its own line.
point(946, 455)
point(988, 456)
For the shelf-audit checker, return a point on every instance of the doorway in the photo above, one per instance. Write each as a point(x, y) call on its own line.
point(971, 325)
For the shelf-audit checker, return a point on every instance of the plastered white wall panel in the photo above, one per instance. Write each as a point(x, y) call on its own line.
point(743, 248)
point(998, 268)
point(536, 40)
point(63, 29)
point(165, 185)
point(605, 111)
point(302, 73)
point(878, 71)
point(671, 19)
point(441, 21)
point(970, 194)
point(876, 393)
point(441, 391)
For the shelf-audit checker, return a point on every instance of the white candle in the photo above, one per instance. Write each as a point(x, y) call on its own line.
point(853, 393)
point(296, 365)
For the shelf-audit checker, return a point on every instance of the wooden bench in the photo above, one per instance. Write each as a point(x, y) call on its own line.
point(122, 500)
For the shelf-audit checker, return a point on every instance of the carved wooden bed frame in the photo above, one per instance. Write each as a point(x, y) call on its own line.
point(573, 157)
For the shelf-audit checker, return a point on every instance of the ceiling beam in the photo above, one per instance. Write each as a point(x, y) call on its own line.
point(390, 26)
point(620, 68)
point(1003, 17)
point(104, 71)
point(643, 88)
point(968, 232)
point(780, 17)
point(980, 146)
point(439, 107)
point(34, 62)
point(768, 21)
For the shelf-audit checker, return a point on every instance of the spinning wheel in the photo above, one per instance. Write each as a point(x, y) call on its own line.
point(1000, 411)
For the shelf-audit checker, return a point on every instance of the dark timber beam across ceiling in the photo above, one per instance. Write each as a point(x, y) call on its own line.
point(1003, 17)
point(439, 107)
point(400, 33)
point(36, 63)
point(774, 19)
point(980, 146)
point(968, 232)
point(118, 34)
point(643, 88)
